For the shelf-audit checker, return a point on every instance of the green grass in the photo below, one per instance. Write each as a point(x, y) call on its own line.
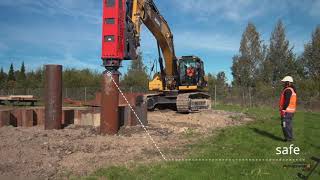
point(258, 139)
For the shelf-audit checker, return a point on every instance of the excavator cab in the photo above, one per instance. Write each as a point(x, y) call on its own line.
point(191, 72)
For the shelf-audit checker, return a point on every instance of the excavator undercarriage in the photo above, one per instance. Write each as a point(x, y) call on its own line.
point(182, 103)
point(192, 102)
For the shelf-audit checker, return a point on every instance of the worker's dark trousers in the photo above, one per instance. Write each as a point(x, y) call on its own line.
point(286, 123)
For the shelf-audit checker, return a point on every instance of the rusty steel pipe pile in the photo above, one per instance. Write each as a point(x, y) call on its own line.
point(53, 97)
point(109, 123)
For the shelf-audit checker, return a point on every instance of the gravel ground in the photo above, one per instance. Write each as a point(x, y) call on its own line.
point(33, 153)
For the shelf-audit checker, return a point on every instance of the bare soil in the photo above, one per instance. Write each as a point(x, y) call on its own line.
point(33, 153)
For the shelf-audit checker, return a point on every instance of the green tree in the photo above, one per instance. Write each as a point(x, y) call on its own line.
point(136, 79)
point(212, 82)
point(218, 84)
point(3, 77)
point(21, 77)
point(239, 71)
point(11, 76)
point(222, 86)
point(311, 56)
point(309, 67)
point(35, 79)
point(73, 78)
point(11, 80)
point(245, 65)
point(280, 57)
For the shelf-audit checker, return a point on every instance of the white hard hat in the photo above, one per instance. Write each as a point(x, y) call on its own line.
point(287, 79)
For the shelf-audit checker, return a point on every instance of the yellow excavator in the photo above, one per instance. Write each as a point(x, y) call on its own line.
point(181, 83)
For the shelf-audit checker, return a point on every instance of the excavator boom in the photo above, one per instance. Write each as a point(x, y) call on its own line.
point(146, 12)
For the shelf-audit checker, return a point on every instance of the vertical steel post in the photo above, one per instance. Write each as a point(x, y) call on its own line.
point(4, 118)
point(109, 123)
point(215, 96)
point(53, 97)
point(85, 94)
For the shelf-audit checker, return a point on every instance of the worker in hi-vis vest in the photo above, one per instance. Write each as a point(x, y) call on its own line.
point(190, 74)
point(287, 107)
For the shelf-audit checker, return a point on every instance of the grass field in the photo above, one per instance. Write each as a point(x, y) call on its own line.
point(257, 140)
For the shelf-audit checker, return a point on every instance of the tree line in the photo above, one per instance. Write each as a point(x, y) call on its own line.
point(21, 79)
point(258, 68)
point(136, 79)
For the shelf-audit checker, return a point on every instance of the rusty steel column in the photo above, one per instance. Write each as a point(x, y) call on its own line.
point(27, 117)
point(38, 114)
point(4, 118)
point(53, 97)
point(109, 122)
point(16, 118)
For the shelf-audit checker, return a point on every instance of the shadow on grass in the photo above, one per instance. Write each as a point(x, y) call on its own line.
point(267, 134)
point(315, 146)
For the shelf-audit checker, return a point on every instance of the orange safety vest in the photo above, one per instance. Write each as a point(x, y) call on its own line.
point(293, 101)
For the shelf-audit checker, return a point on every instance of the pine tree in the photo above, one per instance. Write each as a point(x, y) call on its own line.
point(11, 80)
point(11, 74)
point(280, 57)
point(23, 71)
point(311, 56)
point(3, 77)
point(21, 77)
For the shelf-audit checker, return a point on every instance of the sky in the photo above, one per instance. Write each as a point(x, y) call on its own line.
point(68, 32)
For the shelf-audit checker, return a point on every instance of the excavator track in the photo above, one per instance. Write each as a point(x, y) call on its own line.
point(183, 103)
point(193, 102)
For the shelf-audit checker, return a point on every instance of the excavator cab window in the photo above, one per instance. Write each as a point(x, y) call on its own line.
point(189, 72)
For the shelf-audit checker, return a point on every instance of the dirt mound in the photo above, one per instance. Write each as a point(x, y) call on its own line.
point(35, 153)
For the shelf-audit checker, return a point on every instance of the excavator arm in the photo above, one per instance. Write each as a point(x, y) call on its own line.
point(146, 12)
